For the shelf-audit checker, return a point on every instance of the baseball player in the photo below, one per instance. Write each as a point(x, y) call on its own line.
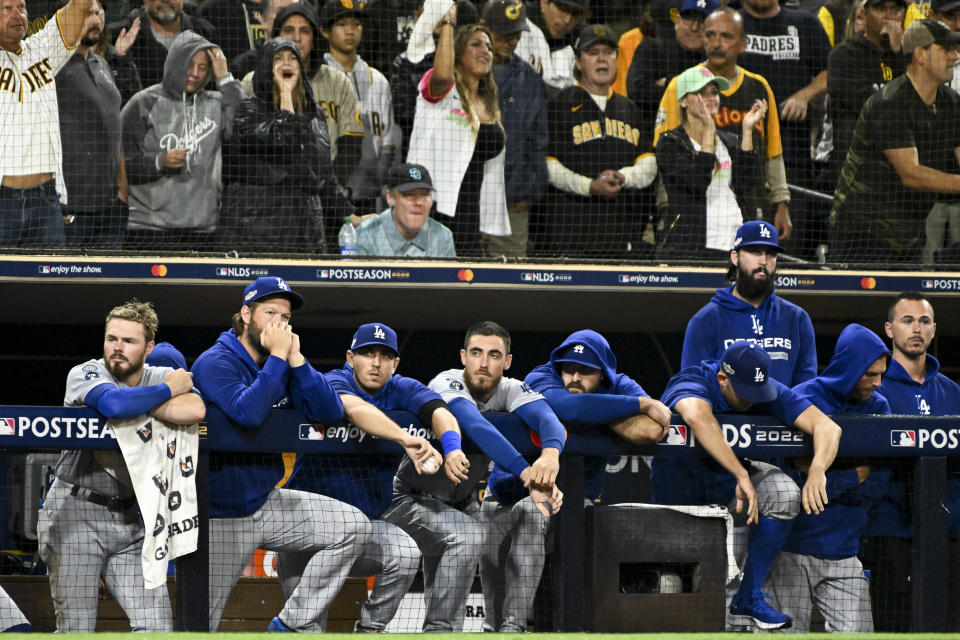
point(913, 385)
point(31, 171)
point(583, 387)
point(818, 562)
point(724, 41)
point(598, 158)
point(253, 367)
point(750, 310)
point(441, 515)
point(341, 23)
point(367, 384)
point(758, 493)
point(89, 527)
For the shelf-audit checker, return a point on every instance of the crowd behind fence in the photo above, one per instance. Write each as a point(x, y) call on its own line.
point(483, 130)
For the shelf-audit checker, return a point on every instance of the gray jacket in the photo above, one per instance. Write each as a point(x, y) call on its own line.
point(165, 117)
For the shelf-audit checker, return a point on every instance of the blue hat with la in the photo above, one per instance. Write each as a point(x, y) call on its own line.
point(271, 286)
point(748, 367)
point(580, 353)
point(375, 333)
point(757, 233)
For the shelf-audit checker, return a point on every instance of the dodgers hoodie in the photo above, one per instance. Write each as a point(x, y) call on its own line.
point(782, 328)
point(165, 117)
point(835, 532)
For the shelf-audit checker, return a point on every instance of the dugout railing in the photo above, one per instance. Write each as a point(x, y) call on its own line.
point(928, 440)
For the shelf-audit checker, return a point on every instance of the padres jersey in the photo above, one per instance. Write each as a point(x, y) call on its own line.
point(374, 102)
point(587, 140)
point(29, 118)
point(734, 103)
point(100, 471)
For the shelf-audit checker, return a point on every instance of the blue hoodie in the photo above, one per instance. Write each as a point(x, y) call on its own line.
point(363, 480)
point(616, 397)
point(835, 532)
point(232, 383)
point(782, 328)
point(937, 395)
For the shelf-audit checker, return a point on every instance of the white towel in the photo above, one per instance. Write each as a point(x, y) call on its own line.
point(161, 460)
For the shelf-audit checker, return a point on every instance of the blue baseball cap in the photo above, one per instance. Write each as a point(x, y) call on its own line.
point(757, 233)
point(165, 354)
point(706, 7)
point(375, 333)
point(748, 367)
point(580, 354)
point(271, 286)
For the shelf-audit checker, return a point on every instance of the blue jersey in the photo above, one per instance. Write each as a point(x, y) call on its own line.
point(835, 532)
point(233, 385)
point(701, 480)
point(937, 395)
point(616, 398)
point(364, 481)
point(782, 328)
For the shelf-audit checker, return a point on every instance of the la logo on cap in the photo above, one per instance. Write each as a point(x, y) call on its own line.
point(758, 377)
point(378, 333)
point(282, 284)
point(764, 231)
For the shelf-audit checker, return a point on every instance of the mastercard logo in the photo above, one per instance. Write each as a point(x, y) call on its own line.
point(158, 270)
point(465, 275)
point(868, 283)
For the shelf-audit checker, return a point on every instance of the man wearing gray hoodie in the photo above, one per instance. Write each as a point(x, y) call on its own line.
point(171, 142)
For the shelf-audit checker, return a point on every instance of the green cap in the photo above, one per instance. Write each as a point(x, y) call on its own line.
point(696, 78)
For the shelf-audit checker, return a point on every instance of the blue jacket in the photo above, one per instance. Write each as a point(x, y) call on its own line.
point(232, 384)
point(363, 481)
point(524, 111)
point(615, 399)
point(835, 532)
point(701, 480)
point(937, 395)
point(782, 328)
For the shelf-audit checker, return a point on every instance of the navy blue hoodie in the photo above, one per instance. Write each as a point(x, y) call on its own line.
point(782, 328)
point(835, 532)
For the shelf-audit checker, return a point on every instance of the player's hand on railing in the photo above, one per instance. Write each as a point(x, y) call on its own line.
point(543, 472)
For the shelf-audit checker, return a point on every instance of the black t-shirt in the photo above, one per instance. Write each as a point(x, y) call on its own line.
point(897, 118)
point(789, 50)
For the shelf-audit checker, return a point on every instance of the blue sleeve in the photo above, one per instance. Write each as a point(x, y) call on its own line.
point(339, 381)
point(415, 394)
point(313, 395)
point(114, 402)
point(543, 379)
point(807, 351)
point(697, 346)
point(590, 408)
point(788, 405)
point(486, 436)
point(247, 405)
point(540, 417)
point(874, 488)
point(841, 482)
point(626, 386)
point(685, 385)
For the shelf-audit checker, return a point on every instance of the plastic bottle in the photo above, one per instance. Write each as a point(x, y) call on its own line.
point(348, 238)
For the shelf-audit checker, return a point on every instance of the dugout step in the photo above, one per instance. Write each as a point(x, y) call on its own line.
point(654, 570)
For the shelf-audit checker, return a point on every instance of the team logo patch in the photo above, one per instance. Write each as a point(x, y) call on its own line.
point(310, 432)
point(764, 231)
point(7, 426)
point(186, 467)
point(161, 483)
point(928, 284)
point(904, 438)
point(677, 436)
point(513, 11)
point(415, 173)
point(599, 31)
point(145, 432)
point(174, 500)
point(378, 333)
point(172, 449)
point(158, 526)
point(456, 385)
point(728, 369)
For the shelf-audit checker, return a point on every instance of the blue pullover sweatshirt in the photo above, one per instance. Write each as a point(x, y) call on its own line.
point(616, 397)
point(701, 480)
point(782, 328)
point(364, 481)
point(232, 384)
point(937, 395)
point(835, 532)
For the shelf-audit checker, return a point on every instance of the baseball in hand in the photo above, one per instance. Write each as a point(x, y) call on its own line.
point(429, 466)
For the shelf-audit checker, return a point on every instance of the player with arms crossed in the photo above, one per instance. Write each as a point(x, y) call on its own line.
point(89, 527)
point(759, 493)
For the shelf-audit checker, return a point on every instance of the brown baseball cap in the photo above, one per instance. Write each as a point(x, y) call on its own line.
point(928, 31)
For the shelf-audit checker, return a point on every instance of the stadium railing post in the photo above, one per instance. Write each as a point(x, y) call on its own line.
point(930, 560)
point(569, 555)
point(193, 585)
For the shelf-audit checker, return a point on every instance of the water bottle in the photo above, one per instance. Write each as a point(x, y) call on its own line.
point(348, 238)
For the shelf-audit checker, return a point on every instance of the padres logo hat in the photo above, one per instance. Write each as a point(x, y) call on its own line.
point(505, 17)
point(594, 33)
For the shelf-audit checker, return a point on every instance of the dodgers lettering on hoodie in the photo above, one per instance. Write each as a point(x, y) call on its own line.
point(783, 329)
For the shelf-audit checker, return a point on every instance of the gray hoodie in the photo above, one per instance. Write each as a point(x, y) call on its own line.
point(165, 117)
